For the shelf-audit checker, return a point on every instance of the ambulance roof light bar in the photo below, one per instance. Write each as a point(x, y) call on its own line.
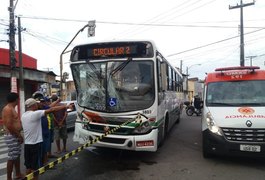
point(238, 68)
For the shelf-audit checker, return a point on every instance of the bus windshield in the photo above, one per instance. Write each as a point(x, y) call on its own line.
point(236, 93)
point(105, 87)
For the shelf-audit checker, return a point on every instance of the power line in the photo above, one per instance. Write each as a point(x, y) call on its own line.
point(185, 12)
point(161, 16)
point(157, 17)
point(135, 24)
point(4, 24)
point(159, 25)
point(191, 10)
point(52, 19)
point(44, 36)
point(213, 43)
point(41, 39)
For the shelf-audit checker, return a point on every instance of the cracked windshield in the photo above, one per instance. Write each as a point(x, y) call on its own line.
point(115, 86)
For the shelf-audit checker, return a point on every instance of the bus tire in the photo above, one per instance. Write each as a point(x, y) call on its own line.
point(164, 133)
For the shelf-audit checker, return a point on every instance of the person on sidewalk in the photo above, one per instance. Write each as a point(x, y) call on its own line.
point(50, 118)
point(60, 128)
point(31, 123)
point(45, 124)
point(13, 137)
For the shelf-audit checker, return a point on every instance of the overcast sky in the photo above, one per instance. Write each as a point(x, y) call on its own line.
point(202, 32)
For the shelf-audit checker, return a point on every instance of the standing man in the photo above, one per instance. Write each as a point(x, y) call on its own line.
point(60, 128)
point(13, 137)
point(45, 131)
point(31, 123)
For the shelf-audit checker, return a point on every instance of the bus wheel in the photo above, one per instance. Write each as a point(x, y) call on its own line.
point(164, 133)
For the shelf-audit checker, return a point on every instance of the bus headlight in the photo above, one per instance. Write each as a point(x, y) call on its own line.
point(85, 123)
point(142, 128)
point(211, 125)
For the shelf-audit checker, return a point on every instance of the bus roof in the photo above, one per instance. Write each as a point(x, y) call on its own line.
point(117, 40)
point(240, 73)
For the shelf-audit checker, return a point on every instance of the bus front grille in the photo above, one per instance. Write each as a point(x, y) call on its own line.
point(113, 140)
point(100, 129)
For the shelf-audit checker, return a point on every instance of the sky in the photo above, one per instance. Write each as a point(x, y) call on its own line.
point(202, 34)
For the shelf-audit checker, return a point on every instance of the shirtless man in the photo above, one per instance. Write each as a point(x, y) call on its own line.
point(13, 138)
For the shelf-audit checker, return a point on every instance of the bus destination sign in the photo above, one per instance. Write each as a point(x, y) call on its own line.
point(112, 51)
point(141, 49)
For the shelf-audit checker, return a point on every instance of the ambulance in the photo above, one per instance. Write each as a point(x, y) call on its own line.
point(233, 119)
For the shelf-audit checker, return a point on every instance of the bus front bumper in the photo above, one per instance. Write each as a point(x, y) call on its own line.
point(145, 142)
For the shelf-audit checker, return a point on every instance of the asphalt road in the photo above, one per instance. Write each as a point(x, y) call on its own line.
point(180, 158)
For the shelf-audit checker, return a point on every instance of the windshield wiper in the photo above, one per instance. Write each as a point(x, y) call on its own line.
point(114, 71)
point(93, 67)
point(120, 67)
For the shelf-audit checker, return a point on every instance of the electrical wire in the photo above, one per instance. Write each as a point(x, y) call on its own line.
point(137, 24)
point(156, 18)
point(163, 18)
point(216, 42)
point(147, 25)
point(48, 38)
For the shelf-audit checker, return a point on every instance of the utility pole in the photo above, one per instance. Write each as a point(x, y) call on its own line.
point(250, 58)
point(12, 58)
point(21, 77)
point(242, 61)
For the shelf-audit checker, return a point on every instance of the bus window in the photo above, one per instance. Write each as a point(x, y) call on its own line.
point(159, 63)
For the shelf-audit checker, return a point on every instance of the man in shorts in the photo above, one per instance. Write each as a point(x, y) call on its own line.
point(60, 128)
point(13, 137)
point(31, 123)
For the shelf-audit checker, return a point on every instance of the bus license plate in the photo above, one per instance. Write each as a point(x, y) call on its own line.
point(249, 148)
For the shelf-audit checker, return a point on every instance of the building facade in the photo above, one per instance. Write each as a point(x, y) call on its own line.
point(32, 78)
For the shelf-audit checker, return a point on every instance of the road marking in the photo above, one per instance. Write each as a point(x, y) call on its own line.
point(3, 145)
point(3, 176)
point(3, 149)
point(2, 156)
point(3, 165)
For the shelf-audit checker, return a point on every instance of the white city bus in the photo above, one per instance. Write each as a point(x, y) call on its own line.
point(125, 81)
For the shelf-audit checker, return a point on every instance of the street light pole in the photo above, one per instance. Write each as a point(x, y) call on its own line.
point(187, 73)
point(250, 58)
point(91, 25)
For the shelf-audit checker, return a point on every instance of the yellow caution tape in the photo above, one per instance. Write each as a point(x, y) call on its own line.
point(66, 156)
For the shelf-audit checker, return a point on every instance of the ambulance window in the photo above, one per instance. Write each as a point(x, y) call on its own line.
point(236, 93)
